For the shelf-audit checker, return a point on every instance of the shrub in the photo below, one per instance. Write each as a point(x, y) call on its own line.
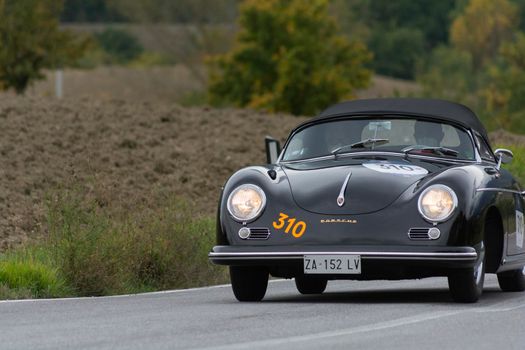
point(100, 251)
point(120, 46)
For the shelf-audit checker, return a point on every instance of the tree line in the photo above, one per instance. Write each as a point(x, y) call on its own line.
point(298, 56)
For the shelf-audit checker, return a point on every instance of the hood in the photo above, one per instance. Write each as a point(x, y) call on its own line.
point(371, 186)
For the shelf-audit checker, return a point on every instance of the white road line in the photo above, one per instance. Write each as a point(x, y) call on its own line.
point(172, 291)
point(363, 329)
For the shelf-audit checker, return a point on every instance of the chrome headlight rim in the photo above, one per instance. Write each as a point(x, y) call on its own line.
point(440, 187)
point(258, 213)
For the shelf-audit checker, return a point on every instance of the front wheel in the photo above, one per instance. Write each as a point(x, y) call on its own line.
point(466, 285)
point(249, 283)
point(512, 281)
point(309, 285)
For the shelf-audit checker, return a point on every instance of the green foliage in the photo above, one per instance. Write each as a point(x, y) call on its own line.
point(120, 46)
point(31, 41)
point(101, 252)
point(397, 51)
point(399, 33)
point(503, 92)
point(485, 65)
point(90, 11)
point(432, 18)
point(289, 58)
point(95, 248)
point(449, 75)
point(482, 28)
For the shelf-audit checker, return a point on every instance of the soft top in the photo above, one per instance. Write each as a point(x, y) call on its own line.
point(427, 108)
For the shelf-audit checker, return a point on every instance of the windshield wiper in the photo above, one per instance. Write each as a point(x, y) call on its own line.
point(361, 144)
point(442, 151)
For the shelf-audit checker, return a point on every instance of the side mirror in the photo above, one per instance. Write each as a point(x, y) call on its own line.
point(504, 156)
point(273, 149)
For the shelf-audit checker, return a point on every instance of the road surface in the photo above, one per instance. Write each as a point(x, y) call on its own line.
point(350, 315)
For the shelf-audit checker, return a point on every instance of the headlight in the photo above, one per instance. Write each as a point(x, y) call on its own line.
point(246, 202)
point(437, 203)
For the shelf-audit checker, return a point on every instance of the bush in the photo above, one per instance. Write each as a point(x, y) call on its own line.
point(120, 46)
point(289, 57)
point(101, 252)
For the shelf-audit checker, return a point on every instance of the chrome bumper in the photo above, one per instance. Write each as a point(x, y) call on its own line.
point(225, 254)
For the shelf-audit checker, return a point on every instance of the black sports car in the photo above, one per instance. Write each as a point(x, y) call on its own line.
point(376, 189)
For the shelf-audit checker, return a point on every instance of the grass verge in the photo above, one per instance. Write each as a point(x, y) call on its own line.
point(94, 249)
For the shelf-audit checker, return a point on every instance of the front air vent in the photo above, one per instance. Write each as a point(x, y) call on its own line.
point(259, 233)
point(418, 234)
point(424, 234)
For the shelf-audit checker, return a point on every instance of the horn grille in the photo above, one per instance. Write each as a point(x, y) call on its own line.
point(419, 234)
point(259, 233)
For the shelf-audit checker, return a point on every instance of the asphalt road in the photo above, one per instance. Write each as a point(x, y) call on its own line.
point(350, 315)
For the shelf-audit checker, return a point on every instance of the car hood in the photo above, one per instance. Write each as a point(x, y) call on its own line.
point(372, 185)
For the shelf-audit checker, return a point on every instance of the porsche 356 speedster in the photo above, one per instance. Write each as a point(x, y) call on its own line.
point(376, 189)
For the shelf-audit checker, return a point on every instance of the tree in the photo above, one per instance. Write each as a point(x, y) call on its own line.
point(504, 90)
point(30, 41)
point(288, 57)
point(397, 51)
point(483, 27)
point(400, 33)
point(448, 75)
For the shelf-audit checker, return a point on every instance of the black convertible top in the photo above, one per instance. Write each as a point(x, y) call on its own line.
point(427, 108)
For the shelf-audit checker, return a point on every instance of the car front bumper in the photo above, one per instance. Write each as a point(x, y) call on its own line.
point(375, 259)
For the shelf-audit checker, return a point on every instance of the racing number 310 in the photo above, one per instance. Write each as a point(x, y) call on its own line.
point(297, 227)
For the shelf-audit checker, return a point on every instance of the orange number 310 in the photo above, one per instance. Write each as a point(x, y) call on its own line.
point(297, 227)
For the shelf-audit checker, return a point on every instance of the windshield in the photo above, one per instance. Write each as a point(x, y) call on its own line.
point(384, 135)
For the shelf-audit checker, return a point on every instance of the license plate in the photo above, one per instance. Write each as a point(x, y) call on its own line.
point(343, 264)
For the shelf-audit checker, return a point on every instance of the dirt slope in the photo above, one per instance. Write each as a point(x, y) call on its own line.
point(127, 149)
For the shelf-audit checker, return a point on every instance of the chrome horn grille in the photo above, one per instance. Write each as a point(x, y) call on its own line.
point(260, 233)
point(424, 233)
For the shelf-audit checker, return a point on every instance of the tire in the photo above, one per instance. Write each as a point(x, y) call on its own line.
point(512, 281)
point(309, 285)
point(249, 283)
point(466, 285)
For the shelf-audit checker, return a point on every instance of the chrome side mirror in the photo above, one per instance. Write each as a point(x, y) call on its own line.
point(504, 156)
point(273, 149)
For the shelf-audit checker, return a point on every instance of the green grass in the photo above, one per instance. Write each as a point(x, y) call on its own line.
point(26, 273)
point(93, 250)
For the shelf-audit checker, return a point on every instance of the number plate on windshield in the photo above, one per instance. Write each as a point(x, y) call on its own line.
point(343, 264)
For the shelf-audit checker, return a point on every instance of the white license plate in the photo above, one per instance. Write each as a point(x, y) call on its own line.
point(344, 264)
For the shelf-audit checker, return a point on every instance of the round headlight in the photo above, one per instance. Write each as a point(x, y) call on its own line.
point(246, 202)
point(437, 203)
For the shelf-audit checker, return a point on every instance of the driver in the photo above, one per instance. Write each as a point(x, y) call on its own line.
point(428, 134)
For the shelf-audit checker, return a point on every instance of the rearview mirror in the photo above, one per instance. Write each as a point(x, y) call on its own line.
point(503, 156)
point(273, 149)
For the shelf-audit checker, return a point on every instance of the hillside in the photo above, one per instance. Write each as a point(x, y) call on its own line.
point(120, 152)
